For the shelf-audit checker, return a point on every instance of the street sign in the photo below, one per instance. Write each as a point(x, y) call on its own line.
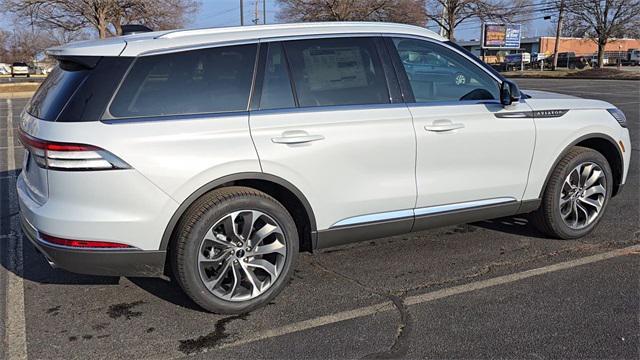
point(501, 36)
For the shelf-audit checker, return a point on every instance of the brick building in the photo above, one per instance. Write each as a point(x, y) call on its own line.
point(545, 45)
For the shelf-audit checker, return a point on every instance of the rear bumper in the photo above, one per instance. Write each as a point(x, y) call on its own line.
point(98, 262)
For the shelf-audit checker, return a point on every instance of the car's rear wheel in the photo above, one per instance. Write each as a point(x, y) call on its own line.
point(234, 250)
point(576, 195)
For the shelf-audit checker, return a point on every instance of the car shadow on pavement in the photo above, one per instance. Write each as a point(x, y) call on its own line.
point(167, 290)
point(515, 225)
point(20, 257)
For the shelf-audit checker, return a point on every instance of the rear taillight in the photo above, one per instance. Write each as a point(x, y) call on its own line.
point(82, 243)
point(66, 156)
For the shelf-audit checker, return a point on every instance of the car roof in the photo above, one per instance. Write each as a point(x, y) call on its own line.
point(159, 41)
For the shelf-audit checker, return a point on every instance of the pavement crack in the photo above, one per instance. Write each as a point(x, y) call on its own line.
point(491, 267)
point(400, 344)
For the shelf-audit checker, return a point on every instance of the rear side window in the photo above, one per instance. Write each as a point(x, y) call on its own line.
point(55, 91)
point(276, 89)
point(339, 71)
point(190, 82)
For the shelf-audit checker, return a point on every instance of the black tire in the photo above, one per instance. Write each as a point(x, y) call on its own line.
point(547, 218)
point(200, 217)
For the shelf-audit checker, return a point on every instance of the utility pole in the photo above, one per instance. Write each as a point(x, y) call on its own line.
point(255, 13)
point(264, 12)
point(442, 19)
point(558, 34)
point(241, 14)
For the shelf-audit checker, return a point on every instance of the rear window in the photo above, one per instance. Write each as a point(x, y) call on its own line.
point(54, 92)
point(210, 80)
point(19, 64)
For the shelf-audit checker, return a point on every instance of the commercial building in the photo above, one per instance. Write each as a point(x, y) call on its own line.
point(545, 45)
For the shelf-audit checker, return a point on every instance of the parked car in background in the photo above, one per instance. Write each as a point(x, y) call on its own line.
point(20, 69)
point(5, 69)
point(633, 57)
point(262, 141)
point(517, 61)
point(593, 61)
point(571, 60)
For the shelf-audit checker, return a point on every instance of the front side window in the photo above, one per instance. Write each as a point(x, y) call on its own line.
point(436, 73)
point(190, 82)
point(338, 71)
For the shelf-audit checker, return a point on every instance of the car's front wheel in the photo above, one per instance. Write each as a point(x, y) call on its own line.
point(234, 250)
point(576, 195)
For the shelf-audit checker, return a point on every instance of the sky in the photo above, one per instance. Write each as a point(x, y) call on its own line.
point(217, 13)
point(214, 13)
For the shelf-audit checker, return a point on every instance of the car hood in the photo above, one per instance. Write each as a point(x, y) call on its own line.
point(545, 100)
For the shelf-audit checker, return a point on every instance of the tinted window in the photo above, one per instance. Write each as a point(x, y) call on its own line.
point(54, 92)
point(189, 82)
point(276, 88)
point(341, 71)
point(436, 73)
point(93, 95)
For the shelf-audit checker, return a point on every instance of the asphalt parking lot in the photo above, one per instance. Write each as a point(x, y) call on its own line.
point(493, 289)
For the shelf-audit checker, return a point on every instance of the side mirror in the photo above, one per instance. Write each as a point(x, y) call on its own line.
point(509, 93)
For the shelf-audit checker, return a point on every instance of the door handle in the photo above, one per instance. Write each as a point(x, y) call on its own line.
point(296, 138)
point(443, 125)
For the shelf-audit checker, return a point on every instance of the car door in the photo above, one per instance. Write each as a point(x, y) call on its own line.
point(471, 151)
point(333, 127)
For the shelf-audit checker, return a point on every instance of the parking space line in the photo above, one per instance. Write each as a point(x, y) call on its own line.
point(16, 338)
point(427, 297)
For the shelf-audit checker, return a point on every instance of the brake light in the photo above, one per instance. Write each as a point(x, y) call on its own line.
point(82, 243)
point(67, 156)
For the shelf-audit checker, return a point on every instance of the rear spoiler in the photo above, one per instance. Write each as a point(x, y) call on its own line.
point(77, 62)
point(105, 47)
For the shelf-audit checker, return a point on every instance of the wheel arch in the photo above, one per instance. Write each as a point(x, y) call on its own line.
point(601, 143)
point(290, 196)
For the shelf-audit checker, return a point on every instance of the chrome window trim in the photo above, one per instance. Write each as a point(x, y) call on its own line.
point(209, 45)
point(325, 108)
point(429, 210)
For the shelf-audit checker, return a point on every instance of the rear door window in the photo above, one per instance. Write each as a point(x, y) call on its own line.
point(337, 71)
point(210, 80)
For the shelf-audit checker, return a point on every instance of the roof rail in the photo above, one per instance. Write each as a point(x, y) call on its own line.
point(221, 30)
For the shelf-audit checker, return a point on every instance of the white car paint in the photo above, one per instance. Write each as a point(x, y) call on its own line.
point(370, 160)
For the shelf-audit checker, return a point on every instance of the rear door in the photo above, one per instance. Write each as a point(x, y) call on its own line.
point(337, 129)
point(471, 151)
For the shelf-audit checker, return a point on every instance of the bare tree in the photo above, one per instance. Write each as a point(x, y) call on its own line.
point(23, 45)
point(603, 20)
point(448, 14)
point(104, 16)
point(401, 11)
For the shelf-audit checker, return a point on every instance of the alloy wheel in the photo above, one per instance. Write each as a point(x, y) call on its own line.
point(583, 195)
point(242, 255)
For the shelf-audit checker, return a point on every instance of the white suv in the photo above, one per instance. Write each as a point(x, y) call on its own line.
point(216, 155)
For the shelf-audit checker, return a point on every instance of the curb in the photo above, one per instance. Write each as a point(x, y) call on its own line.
point(17, 95)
